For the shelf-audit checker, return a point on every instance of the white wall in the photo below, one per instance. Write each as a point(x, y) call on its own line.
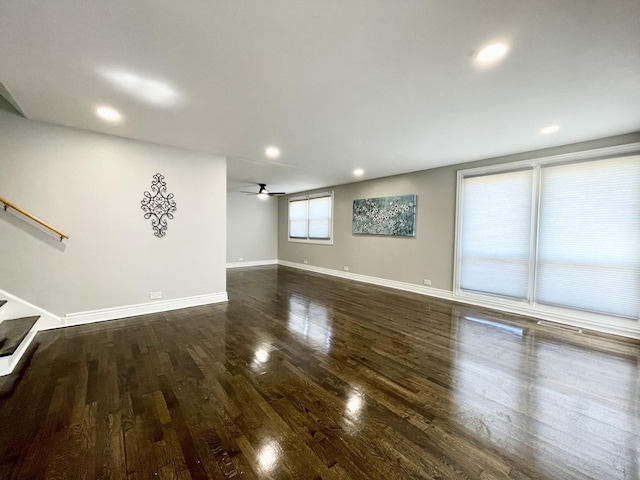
point(252, 228)
point(90, 186)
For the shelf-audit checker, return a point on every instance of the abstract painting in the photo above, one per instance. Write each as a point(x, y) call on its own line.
point(395, 216)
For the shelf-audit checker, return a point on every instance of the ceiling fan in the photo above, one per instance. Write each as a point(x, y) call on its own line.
point(264, 193)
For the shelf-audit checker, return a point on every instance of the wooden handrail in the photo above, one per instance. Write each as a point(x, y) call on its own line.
point(7, 203)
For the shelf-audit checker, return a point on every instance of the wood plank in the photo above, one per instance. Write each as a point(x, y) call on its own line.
point(302, 376)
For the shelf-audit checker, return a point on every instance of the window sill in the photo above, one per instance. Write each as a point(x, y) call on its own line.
point(311, 241)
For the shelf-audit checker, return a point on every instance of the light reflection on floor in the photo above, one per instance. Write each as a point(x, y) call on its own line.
point(268, 456)
point(353, 412)
point(309, 321)
point(509, 391)
point(260, 357)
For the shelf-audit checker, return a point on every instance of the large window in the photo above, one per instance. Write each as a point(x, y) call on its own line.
point(310, 218)
point(495, 238)
point(561, 232)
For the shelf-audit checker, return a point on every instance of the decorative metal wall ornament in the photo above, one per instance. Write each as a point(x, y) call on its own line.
point(159, 206)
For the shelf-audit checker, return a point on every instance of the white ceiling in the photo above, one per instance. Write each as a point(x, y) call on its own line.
point(389, 86)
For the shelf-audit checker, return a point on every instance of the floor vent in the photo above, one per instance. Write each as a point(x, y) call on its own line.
point(558, 326)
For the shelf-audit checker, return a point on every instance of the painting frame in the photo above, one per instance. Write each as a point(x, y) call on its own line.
point(392, 216)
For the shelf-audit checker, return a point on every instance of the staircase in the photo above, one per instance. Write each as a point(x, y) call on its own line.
point(19, 323)
point(13, 332)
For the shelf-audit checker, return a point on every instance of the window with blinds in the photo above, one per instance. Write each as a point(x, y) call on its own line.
point(560, 234)
point(496, 233)
point(589, 236)
point(310, 218)
point(320, 218)
point(298, 218)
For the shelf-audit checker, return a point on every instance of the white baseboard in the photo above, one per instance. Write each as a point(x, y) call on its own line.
point(254, 263)
point(599, 323)
point(17, 308)
point(383, 282)
point(48, 321)
point(81, 318)
point(29, 308)
point(590, 321)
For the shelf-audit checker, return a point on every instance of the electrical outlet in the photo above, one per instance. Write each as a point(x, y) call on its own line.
point(426, 281)
point(241, 259)
point(346, 269)
point(306, 261)
point(155, 295)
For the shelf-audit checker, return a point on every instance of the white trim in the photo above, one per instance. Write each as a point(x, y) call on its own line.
point(21, 308)
point(4, 295)
point(8, 363)
point(314, 241)
point(49, 321)
point(307, 239)
point(253, 263)
point(311, 195)
point(457, 227)
point(592, 321)
point(585, 320)
point(598, 153)
point(383, 282)
point(534, 226)
point(81, 318)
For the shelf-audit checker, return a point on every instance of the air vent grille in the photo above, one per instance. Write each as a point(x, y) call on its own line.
point(558, 326)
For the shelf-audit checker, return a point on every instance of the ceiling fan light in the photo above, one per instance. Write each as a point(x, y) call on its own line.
point(263, 193)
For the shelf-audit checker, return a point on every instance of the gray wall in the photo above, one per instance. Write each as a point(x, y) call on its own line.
point(252, 228)
point(430, 255)
point(90, 186)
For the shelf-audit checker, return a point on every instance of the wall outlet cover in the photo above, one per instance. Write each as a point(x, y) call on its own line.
point(155, 295)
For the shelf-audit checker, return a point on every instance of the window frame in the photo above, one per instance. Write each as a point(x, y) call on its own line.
point(307, 239)
point(506, 168)
point(530, 306)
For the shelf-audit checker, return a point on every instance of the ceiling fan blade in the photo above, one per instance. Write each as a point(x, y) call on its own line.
point(263, 191)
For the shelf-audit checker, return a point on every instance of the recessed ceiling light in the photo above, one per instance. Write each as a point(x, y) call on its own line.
point(492, 53)
point(550, 129)
point(108, 114)
point(358, 172)
point(272, 152)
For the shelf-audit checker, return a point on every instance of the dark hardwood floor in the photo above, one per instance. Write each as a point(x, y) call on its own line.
point(302, 376)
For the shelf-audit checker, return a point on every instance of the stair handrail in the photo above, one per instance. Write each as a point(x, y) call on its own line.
point(7, 204)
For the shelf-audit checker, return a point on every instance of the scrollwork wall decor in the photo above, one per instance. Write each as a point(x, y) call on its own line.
point(159, 205)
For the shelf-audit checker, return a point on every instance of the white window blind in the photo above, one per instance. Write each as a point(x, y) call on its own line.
point(589, 236)
point(298, 219)
point(320, 217)
point(495, 233)
point(310, 218)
